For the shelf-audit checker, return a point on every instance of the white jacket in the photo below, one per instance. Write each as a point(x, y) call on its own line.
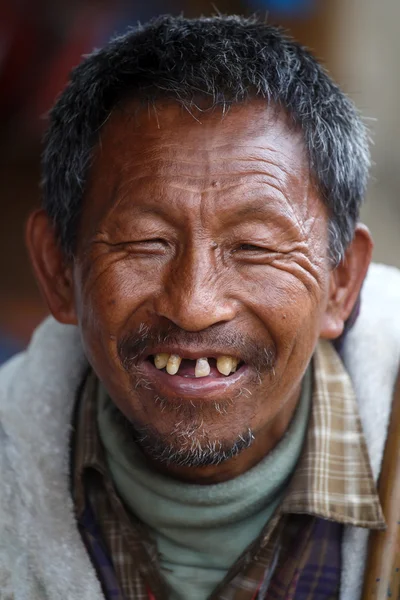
point(42, 556)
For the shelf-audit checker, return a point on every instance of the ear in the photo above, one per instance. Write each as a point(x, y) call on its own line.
point(53, 272)
point(345, 283)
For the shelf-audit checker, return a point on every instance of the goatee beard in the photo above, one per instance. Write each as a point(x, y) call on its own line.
point(185, 446)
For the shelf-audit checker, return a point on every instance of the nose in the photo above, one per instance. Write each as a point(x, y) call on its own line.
point(195, 293)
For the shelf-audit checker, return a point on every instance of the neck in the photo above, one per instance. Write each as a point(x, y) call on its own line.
point(265, 440)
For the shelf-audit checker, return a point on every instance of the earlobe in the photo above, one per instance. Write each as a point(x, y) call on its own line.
point(346, 282)
point(53, 273)
point(332, 325)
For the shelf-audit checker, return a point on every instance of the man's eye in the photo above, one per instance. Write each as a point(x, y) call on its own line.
point(149, 242)
point(251, 248)
point(153, 245)
point(153, 241)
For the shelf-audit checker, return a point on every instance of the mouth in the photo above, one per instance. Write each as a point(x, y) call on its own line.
point(195, 375)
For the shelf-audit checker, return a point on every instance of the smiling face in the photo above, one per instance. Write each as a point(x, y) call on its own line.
point(202, 241)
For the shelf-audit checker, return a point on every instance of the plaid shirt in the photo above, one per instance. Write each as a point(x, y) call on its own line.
point(297, 552)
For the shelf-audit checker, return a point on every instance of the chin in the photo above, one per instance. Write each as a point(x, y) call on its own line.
point(182, 434)
point(191, 449)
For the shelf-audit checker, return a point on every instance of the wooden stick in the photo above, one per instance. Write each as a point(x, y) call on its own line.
point(382, 573)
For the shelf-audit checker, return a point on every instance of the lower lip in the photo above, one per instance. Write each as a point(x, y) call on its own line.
point(195, 387)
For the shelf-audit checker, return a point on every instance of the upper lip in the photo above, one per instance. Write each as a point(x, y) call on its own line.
point(191, 353)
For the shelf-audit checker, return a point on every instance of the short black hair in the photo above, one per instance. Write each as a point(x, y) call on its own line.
point(227, 59)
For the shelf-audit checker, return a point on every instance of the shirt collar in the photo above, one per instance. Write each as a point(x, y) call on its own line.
point(87, 446)
point(333, 478)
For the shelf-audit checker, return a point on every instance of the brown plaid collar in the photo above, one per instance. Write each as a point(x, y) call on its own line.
point(87, 449)
point(333, 479)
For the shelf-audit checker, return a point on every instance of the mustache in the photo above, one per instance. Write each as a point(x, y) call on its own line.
point(133, 347)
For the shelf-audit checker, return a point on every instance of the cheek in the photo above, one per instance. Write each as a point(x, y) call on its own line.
point(288, 308)
point(112, 289)
point(111, 297)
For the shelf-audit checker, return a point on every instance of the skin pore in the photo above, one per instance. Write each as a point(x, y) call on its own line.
point(201, 236)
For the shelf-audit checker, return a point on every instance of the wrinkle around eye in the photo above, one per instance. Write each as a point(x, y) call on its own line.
point(96, 265)
point(131, 242)
point(258, 250)
point(145, 247)
point(252, 248)
point(91, 281)
point(295, 264)
point(303, 269)
point(257, 256)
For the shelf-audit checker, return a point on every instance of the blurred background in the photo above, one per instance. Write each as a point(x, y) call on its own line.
point(41, 40)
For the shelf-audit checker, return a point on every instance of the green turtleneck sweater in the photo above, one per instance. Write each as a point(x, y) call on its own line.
point(201, 530)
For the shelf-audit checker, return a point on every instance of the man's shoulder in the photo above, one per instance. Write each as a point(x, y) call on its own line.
point(371, 354)
point(377, 329)
point(54, 357)
point(37, 394)
point(381, 284)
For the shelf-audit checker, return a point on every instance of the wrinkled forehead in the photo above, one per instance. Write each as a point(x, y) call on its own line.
point(166, 151)
point(168, 132)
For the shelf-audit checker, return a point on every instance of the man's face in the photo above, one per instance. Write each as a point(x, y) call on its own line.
point(201, 240)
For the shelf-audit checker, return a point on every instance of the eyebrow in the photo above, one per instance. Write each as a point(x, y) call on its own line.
point(256, 210)
point(155, 209)
point(158, 209)
point(260, 209)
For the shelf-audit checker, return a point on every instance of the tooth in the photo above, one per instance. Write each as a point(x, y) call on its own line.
point(202, 368)
point(235, 364)
point(160, 360)
point(225, 364)
point(173, 364)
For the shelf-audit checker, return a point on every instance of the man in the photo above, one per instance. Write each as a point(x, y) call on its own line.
point(189, 430)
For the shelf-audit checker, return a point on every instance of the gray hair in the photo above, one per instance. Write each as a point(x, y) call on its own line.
point(226, 59)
